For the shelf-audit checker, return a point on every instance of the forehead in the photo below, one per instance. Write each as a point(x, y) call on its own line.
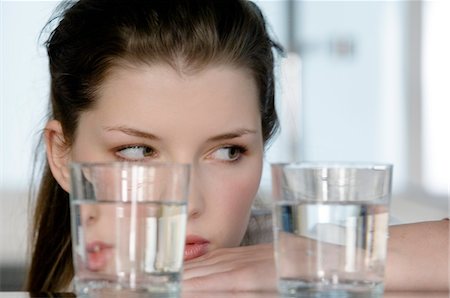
point(159, 98)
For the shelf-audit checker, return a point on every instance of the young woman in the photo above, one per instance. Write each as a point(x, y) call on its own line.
point(184, 81)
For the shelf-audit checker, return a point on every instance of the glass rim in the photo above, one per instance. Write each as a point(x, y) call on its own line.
point(334, 165)
point(128, 164)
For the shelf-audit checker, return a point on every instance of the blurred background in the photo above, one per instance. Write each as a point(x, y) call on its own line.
point(360, 81)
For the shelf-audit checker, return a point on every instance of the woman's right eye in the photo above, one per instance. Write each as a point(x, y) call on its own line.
point(135, 153)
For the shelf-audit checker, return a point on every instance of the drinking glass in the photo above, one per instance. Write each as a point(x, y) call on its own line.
point(330, 228)
point(128, 225)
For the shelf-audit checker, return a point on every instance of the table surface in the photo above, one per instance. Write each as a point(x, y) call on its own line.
point(388, 294)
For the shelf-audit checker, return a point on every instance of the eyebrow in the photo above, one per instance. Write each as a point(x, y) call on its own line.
point(132, 132)
point(146, 135)
point(232, 135)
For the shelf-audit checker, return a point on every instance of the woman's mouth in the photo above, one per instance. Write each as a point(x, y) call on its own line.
point(98, 255)
point(195, 247)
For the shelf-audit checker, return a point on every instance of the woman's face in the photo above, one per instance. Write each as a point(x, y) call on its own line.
point(209, 119)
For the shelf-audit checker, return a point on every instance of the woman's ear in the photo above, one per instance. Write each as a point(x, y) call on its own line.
point(57, 153)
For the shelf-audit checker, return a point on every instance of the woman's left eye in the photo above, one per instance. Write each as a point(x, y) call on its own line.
point(229, 153)
point(136, 152)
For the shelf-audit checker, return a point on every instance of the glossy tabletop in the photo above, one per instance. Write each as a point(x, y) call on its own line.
point(388, 294)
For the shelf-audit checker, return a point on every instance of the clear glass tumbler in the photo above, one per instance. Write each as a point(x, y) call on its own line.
point(330, 228)
point(128, 225)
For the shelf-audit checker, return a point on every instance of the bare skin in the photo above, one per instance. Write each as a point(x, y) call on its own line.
point(418, 257)
point(246, 268)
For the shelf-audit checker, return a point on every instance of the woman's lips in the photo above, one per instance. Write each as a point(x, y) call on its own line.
point(195, 247)
point(98, 255)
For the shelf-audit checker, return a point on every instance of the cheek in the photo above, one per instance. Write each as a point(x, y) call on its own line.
point(239, 185)
point(240, 191)
point(233, 194)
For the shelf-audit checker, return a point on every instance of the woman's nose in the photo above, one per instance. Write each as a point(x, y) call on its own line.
point(196, 203)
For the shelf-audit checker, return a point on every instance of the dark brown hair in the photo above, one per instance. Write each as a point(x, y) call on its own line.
point(93, 36)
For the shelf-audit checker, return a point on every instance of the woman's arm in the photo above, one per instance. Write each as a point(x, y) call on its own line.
point(417, 259)
point(418, 256)
point(245, 268)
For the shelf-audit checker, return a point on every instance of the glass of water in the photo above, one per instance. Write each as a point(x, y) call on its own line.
point(330, 228)
point(128, 225)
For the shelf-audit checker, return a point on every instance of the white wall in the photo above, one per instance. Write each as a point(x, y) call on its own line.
point(24, 92)
point(353, 102)
point(24, 96)
point(436, 95)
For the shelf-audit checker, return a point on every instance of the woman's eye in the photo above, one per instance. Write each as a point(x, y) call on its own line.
point(136, 152)
point(231, 153)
